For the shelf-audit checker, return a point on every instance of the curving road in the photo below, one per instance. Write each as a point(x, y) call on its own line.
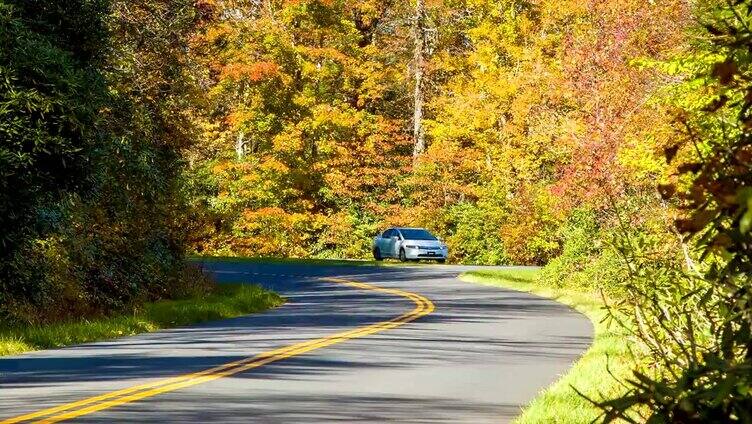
point(413, 344)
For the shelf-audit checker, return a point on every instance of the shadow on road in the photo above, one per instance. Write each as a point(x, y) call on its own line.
point(455, 335)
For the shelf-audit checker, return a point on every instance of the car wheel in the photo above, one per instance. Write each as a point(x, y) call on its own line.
point(402, 256)
point(377, 254)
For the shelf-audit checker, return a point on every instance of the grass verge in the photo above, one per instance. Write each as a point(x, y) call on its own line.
point(560, 403)
point(227, 301)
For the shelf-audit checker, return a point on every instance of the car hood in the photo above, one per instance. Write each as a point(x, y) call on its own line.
point(431, 244)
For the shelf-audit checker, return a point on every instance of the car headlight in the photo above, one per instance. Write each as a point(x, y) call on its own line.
point(444, 247)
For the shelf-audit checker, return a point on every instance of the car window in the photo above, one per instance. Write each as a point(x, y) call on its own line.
point(417, 234)
point(387, 234)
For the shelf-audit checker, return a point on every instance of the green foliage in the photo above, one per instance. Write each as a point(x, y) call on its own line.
point(90, 173)
point(695, 319)
point(587, 261)
point(49, 97)
point(475, 235)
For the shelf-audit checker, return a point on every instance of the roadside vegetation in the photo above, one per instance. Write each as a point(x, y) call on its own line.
point(607, 140)
point(595, 374)
point(92, 124)
point(223, 301)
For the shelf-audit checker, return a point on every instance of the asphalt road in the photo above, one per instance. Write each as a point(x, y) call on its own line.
point(479, 356)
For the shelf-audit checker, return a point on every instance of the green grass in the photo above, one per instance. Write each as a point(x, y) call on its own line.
point(560, 403)
point(228, 301)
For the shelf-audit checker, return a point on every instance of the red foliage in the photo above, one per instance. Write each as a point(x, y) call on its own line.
point(612, 91)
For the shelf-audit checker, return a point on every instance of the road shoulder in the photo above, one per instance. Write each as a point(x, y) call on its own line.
point(560, 402)
point(227, 301)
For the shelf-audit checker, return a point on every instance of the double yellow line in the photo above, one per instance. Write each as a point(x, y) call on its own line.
point(131, 394)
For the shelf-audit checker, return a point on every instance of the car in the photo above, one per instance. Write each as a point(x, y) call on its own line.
point(408, 244)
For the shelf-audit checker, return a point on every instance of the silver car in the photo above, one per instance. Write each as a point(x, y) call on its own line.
point(409, 244)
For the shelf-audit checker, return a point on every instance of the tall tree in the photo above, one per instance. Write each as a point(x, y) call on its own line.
point(419, 52)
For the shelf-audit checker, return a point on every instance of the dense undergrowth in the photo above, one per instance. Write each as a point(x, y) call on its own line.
point(92, 207)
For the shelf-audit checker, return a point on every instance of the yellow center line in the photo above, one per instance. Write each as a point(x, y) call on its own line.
point(135, 393)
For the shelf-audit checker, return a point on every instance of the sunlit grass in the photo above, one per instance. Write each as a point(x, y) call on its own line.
point(228, 301)
point(560, 403)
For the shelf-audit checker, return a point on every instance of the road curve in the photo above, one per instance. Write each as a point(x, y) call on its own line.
point(352, 344)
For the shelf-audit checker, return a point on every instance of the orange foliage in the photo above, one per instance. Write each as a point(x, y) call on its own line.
point(527, 115)
point(254, 72)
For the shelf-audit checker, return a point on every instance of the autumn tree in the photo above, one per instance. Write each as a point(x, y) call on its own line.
point(303, 94)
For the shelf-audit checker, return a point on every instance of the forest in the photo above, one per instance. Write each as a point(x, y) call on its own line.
point(609, 141)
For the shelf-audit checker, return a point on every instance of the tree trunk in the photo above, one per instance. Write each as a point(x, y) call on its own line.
point(419, 136)
point(240, 145)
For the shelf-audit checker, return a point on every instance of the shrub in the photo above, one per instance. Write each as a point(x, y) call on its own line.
point(91, 207)
point(588, 260)
point(696, 319)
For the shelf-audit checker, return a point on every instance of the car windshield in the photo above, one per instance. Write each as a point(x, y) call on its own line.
point(416, 234)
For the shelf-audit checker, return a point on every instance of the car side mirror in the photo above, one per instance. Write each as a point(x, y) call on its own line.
point(395, 237)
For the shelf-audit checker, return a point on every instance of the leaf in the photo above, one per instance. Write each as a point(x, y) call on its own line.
point(745, 223)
